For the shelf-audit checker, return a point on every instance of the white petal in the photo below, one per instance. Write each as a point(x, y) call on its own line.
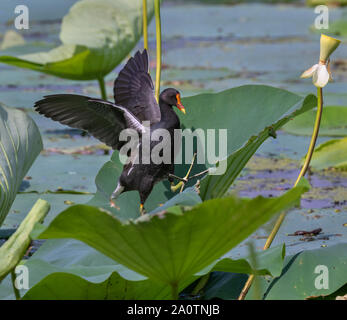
point(309, 72)
point(321, 76)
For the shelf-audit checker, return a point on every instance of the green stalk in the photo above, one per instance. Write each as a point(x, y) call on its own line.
point(201, 284)
point(174, 291)
point(144, 19)
point(253, 258)
point(12, 251)
point(301, 174)
point(158, 36)
point(102, 88)
point(314, 136)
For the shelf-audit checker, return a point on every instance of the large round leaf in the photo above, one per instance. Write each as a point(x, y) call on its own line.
point(339, 27)
point(96, 34)
point(115, 287)
point(229, 276)
point(333, 123)
point(331, 154)
point(308, 274)
point(53, 287)
point(268, 262)
point(20, 144)
point(170, 247)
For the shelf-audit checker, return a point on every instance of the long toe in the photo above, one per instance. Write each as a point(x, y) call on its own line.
point(175, 187)
point(113, 204)
point(142, 209)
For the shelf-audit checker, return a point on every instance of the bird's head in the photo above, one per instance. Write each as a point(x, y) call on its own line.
point(172, 97)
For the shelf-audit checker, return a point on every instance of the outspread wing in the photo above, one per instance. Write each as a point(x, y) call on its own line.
point(134, 90)
point(102, 119)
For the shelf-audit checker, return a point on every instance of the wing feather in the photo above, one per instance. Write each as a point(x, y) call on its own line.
point(134, 89)
point(102, 119)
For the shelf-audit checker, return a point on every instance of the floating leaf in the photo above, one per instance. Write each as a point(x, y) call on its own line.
point(303, 275)
point(333, 123)
point(331, 154)
point(314, 3)
point(269, 262)
point(338, 28)
point(20, 144)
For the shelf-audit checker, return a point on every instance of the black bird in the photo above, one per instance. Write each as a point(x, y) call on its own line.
point(134, 103)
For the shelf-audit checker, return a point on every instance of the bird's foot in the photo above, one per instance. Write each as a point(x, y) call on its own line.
point(183, 180)
point(197, 187)
point(175, 187)
point(142, 210)
point(113, 204)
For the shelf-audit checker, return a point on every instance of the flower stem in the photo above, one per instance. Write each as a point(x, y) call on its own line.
point(144, 18)
point(314, 136)
point(158, 35)
point(301, 174)
point(102, 88)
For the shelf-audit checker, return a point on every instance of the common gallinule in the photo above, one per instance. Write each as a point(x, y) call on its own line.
point(134, 103)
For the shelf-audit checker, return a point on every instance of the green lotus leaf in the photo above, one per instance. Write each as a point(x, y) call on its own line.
point(170, 247)
point(53, 287)
point(20, 144)
point(333, 122)
point(96, 36)
point(309, 274)
point(331, 154)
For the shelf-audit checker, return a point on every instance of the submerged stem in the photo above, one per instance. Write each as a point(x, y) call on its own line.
point(102, 88)
point(301, 174)
point(144, 20)
point(201, 284)
point(13, 280)
point(174, 291)
point(158, 35)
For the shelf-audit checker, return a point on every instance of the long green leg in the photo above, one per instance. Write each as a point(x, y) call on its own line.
point(185, 179)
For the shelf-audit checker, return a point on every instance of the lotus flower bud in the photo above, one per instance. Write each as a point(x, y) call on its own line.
point(320, 72)
point(327, 46)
